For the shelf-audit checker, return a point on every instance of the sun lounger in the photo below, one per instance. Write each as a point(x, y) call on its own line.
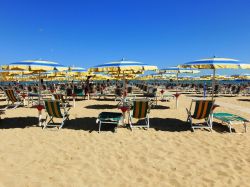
point(231, 119)
point(13, 98)
point(109, 118)
point(139, 110)
point(203, 111)
point(53, 111)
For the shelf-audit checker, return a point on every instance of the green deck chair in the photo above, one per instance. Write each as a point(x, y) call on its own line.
point(203, 111)
point(13, 98)
point(231, 119)
point(53, 111)
point(140, 110)
point(109, 118)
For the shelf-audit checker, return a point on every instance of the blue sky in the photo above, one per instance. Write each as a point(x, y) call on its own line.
point(161, 32)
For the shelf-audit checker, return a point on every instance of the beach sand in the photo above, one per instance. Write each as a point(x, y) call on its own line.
point(168, 154)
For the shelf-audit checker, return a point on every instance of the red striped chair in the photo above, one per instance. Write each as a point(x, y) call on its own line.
point(203, 111)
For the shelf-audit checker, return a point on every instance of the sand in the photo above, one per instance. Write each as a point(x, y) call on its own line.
point(168, 154)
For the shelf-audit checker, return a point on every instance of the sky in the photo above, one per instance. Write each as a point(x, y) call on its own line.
point(90, 32)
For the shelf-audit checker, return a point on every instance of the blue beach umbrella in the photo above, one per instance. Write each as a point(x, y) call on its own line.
point(123, 67)
point(216, 63)
point(36, 66)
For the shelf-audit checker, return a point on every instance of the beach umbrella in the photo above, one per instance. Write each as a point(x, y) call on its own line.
point(35, 66)
point(216, 63)
point(122, 67)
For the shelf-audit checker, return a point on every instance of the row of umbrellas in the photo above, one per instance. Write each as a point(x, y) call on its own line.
point(124, 69)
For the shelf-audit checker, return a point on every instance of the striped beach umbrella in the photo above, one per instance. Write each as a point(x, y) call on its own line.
point(122, 66)
point(35, 65)
point(216, 63)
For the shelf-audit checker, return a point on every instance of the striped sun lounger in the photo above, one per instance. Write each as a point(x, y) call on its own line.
point(140, 110)
point(203, 111)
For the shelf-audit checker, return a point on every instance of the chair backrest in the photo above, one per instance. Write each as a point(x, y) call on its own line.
point(34, 89)
point(11, 95)
point(59, 97)
point(53, 108)
point(78, 91)
point(140, 109)
point(203, 108)
point(118, 92)
point(29, 89)
point(69, 91)
point(129, 89)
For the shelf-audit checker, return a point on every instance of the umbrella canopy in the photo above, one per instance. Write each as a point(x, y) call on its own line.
point(76, 69)
point(216, 63)
point(122, 66)
point(177, 70)
point(35, 65)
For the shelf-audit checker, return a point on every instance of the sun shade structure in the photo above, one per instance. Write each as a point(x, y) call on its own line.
point(35, 65)
point(216, 63)
point(123, 66)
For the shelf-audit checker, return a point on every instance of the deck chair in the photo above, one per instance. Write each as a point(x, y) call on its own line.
point(60, 97)
point(53, 111)
point(13, 98)
point(203, 111)
point(139, 110)
point(109, 118)
point(230, 119)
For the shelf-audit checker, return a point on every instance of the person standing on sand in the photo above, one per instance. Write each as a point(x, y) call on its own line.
point(87, 89)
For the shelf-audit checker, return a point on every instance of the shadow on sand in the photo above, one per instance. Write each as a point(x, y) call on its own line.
point(169, 124)
point(87, 124)
point(218, 127)
point(101, 107)
point(248, 100)
point(18, 122)
point(159, 107)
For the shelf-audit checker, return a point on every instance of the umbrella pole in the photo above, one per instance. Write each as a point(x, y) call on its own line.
point(39, 100)
point(39, 87)
point(124, 86)
point(176, 95)
point(213, 84)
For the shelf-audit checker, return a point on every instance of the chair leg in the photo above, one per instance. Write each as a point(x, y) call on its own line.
point(230, 127)
point(62, 123)
point(100, 125)
point(130, 123)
